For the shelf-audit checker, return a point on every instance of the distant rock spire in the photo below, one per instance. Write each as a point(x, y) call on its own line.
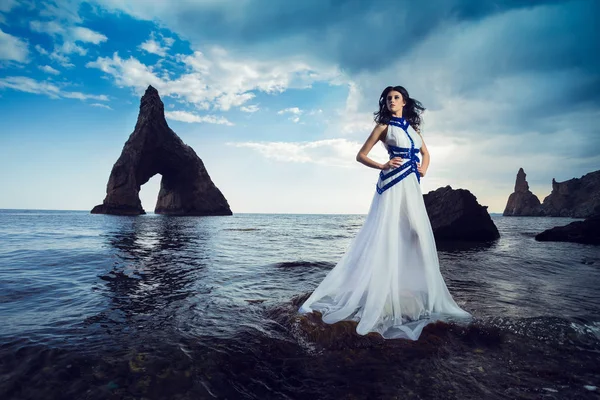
point(521, 184)
point(522, 201)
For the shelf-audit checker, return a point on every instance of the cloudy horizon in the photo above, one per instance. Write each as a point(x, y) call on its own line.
point(276, 98)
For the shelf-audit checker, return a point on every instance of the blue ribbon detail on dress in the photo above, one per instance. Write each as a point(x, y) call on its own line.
point(408, 155)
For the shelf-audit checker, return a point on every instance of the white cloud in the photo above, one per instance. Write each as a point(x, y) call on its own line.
point(128, 73)
point(7, 5)
point(329, 152)
point(185, 116)
point(13, 48)
point(227, 100)
point(152, 46)
point(292, 110)
point(68, 33)
point(61, 59)
point(295, 111)
point(353, 119)
point(69, 48)
point(155, 47)
point(168, 41)
point(41, 50)
point(215, 79)
point(66, 39)
point(51, 28)
point(49, 70)
point(66, 11)
point(25, 84)
point(83, 96)
point(250, 109)
point(83, 34)
point(100, 105)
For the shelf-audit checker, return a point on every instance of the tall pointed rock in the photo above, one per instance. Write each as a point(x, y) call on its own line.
point(522, 201)
point(153, 148)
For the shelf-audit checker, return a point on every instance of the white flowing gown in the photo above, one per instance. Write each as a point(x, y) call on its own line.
point(389, 279)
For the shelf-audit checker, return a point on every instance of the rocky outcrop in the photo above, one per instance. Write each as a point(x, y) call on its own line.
point(153, 148)
point(522, 201)
point(455, 215)
point(586, 232)
point(575, 198)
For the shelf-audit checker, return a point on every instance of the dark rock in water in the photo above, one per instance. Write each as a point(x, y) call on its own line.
point(575, 198)
point(455, 215)
point(153, 148)
point(522, 201)
point(586, 232)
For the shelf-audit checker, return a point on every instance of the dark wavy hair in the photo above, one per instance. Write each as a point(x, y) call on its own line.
point(411, 112)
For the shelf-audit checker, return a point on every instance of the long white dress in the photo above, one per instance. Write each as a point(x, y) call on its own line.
point(389, 279)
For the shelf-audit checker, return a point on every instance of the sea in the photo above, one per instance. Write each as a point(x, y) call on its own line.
point(162, 307)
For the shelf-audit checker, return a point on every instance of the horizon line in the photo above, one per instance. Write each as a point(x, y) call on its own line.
point(151, 212)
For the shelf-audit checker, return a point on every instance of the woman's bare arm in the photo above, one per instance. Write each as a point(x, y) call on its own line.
point(422, 167)
point(362, 156)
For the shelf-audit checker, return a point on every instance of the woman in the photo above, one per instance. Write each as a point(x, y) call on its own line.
point(389, 278)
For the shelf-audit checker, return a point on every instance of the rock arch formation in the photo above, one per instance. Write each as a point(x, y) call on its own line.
point(153, 148)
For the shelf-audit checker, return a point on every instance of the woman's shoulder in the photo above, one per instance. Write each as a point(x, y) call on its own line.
point(380, 131)
point(415, 130)
point(379, 127)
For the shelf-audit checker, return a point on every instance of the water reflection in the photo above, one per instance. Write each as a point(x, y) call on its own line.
point(464, 246)
point(159, 262)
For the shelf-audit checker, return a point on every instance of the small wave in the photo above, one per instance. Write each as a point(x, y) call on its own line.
point(528, 234)
point(242, 229)
point(296, 264)
point(116, 275)
point(330, 237)
point(551, 329)
point(588, 330)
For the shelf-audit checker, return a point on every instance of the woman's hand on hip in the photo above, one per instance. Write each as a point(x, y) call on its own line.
point(421, 170)
point(393, 163)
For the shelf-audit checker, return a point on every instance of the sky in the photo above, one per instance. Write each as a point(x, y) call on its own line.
point(277, 97)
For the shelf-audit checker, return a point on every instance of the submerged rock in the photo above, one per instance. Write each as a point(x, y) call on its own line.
point(153, 148)
point(456, 215)
point(522, 201)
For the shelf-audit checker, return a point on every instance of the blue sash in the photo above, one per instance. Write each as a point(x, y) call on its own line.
point(409, 158)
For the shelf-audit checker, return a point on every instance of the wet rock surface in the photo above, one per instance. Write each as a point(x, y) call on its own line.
point(455, 215)
point(585, 232)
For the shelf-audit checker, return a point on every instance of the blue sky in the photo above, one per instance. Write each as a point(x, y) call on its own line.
point(277, 97)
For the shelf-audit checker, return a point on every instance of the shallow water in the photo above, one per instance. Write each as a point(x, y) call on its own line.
point(97, 306)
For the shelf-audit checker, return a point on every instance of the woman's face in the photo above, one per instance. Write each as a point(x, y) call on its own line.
point(394, 101)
